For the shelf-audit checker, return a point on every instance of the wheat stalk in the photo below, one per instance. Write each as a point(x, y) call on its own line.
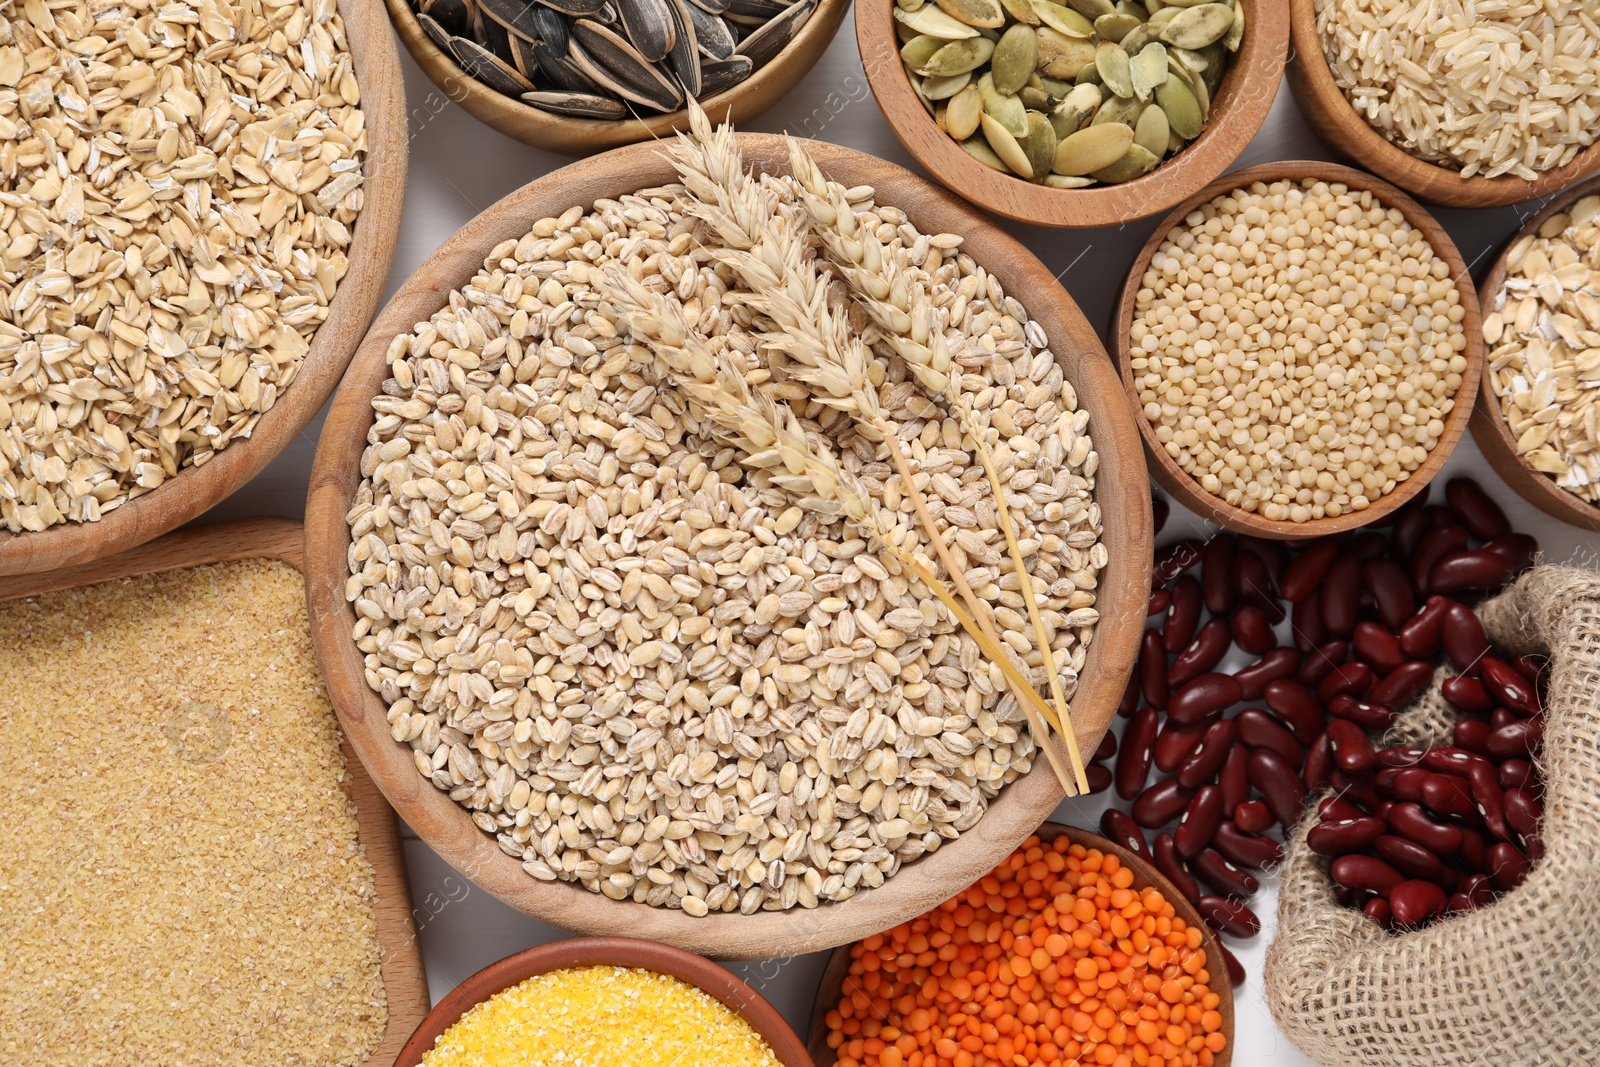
point(881, 281)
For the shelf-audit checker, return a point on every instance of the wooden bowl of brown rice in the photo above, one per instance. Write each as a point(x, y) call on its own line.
point(778, 736)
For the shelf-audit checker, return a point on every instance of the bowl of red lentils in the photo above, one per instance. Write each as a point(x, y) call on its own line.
point(603, 1002)
point(1073, 951)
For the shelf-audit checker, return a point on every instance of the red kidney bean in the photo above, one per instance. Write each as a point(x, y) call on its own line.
point(1413, 902)
point(1518, 740)
point(1437, 543)
point(1502, 717)
point(1253, 584)
point(1202, 698)
point(1305, 622)
point(1478, 888)
point(1463, 638)
point(1183, 614)
point(1412, 823)
point(1201, 654)
point(1236, 973)
point(1117, 826)
point(1159, 599)
point(1365, 872)
point(1294, 704)
point(1251, 630)
point(1368, 545)
point(1209, 755)
point(1400, 756)
point(1169, 863)
point(1403, 684)
point(1533, 668)
point(1279, 785)
point(1172, 560)
point(1410, 858)
point(1215, 871)
point(1153, 670)
point(1176, 743)
point(1518, 774)
point(1407, 784)
point(1321, 661)
point(1234, 778)
point(1508, 867)
point(1352, 751)
point(1483, 781)
point(1317, 770)
point(1159, 510)
point(1507, 684)
point(1470, 570)
point(1522, 811)
point(1517, 549)
point(1098, 778)
point(1410, 524)
point(1199, 822)
point(1306, 572)
point(1245, 850)
point(1468, 694)
point(1377, 647)
point(1358, 789)
point(1216, 574)
point(1133, 761)
point(1477, 511)
point(1160, 804)
point(1419, 637)
point(1363, 713)
point(1260, 730)
point(1353, 678)
point(1253, 817)
point(1130, 697)
point(1278, 663)
point(1445, 794)
point(1333, 809)
point(1228, 916)
point(1390, 587)
point(1441, 515)
point(1341, 596)
point(1272, 553)
point(1377, 909)
point(1457, 761)
point(1107, 749)
point(1344, 837)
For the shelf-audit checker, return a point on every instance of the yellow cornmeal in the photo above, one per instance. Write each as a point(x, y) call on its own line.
point(601, 1017)
point(181, 880)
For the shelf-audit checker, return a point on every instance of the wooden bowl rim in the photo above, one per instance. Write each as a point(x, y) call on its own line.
point(1489, 426)
point(1179, 482)
point(1343, 130)
point(574, 136)
point(1122, 491)
point(1238, 111)
point(1145, 874)
point(735, 994)
point(194, 490)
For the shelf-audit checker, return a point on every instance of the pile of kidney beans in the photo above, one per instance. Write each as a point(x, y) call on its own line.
point(1416, 833)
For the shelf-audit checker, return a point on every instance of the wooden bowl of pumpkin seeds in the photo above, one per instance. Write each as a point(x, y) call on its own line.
point(582, 76)
point(1075, 113)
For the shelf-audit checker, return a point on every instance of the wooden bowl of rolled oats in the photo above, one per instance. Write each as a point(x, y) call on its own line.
point(159, 310)
point(622, 611)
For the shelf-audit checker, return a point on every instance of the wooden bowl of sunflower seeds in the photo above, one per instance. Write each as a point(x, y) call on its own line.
point(581, 76)
point(597, 596)
point(175, 320)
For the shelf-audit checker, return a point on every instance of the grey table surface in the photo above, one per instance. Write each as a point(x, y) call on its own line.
point(459, 167)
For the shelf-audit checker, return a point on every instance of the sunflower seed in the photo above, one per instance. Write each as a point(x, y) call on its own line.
point(964, 113)
point(1148, 69)
point(1013, 59)
point(1196, 27)
point(436, 33)
point(1092, 149)
point(712, 7)
point(453, 15)
point(563, 72)
point(956, 57)
point(1138, 162)
point(608, 58)
point(1063, 19)
point(1183, 110)
point(711, 34)
point(935, 23)
point(578, 105)
point(985, 13)
point(1152, 130)
point(525, 57)
point(575, 8)
point(1005, 146)
point(492, 36)
point(551, 28)
point(723, 74)
point(649, 27)
point(488, 68)
point(685, 55)
point(515, 16)
point(774, 37)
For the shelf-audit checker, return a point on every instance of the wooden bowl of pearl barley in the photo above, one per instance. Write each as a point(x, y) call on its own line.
point(1338, 416)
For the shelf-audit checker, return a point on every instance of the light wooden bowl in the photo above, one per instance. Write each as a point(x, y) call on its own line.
point(196, 489)
point(609, 952)
point(405, 985)
point(1347, 135)
point(583, 137)
point(1489, 427)
point(1184, 488)
point(831, 988)
point(1123, 492)
point(1240, 106)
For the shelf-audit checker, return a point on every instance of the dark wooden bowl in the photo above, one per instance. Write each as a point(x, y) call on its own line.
point(1489, 427)
point(1182, 486)
point(830, 988)
point(1122, 489)
point(1337, 124)
point(1240, 106)
point(608, 952)
point(572, 136)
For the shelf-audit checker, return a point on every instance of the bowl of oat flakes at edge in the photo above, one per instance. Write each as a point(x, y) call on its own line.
point(1121, 494)
point(184, 336)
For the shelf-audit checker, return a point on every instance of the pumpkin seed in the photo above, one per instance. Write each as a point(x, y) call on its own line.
point(1054, 86)
point(1134, 40)
point(1152, 130)
point(986, 13)
point(1036, 99)
point(1195, 61)
point(1005, 145)
point(916, 52)
point(1022, 11)
point(1138, 162)
point(1235, 35)
point(1196, 27)
point(1114, 67)
point(1039, 144)
point(578, 105)
point(1014, 58)
point(1197, 86)
point(1183, 110)
point(957, 57)
point(1089, 75)
point(1116, 26)
point(1123, 109)
point(1151, 7)
point(1068, 117)
point(1063, 19)
point(909, 5)
point(1092, 9)
point(944, 88)
point(1092, 149)
point(904, 32)
point(1061, 56)
point(1148, 70)
point(964, 113)
point(1004, 108)
point(979, 149)
point(922, 97)
point(935, 23)
point(1164, 16)
point(1067, 181)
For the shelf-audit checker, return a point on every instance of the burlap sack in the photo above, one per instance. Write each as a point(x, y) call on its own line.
point(1516, 984)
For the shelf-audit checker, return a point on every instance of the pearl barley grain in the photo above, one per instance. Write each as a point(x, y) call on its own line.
point(1296, 347)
